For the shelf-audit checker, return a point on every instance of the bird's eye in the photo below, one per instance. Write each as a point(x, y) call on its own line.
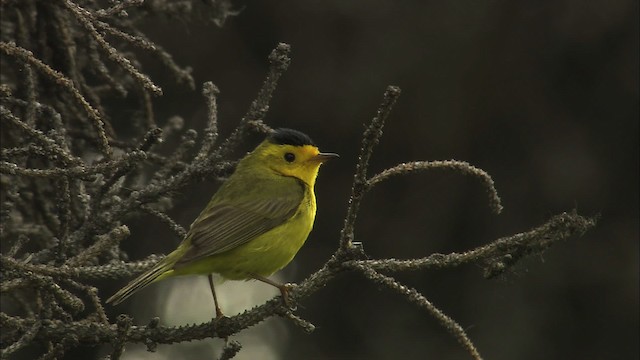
point(289, 157)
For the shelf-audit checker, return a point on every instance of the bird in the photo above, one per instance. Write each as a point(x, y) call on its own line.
point(254, 224)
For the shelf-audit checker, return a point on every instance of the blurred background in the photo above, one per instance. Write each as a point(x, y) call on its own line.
point(541, 95)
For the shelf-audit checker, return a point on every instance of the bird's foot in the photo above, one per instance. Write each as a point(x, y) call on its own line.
point(284, 291)
point(219, 313)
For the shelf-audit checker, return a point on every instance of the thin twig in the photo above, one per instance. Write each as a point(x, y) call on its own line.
point(369, 140)
point(63, 207)
point(124, 323)
point(175, 227)
point(117, 8)
point(210, 92)
point(279, 61)
point(461, 166)
point(26, 338)
point(46, 142)
point(415, 297)
point(80, 172)
point(230, 350)
point(102, 244)
point(86, 19)
point(305, 325)
point(115, 270)
point(27, 56)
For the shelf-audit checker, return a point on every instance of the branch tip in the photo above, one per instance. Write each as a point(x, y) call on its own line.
point(279, 57)
point(210, 89)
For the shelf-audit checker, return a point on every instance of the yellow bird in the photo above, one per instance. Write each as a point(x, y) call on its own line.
point(254, 224)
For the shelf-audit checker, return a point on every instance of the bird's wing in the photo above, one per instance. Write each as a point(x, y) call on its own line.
point(229, 225)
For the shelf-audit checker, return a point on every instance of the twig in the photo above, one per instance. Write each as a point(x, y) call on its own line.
point(499, 255)
point(415, 297)
point(103, 243)
point(114, 270)
point(20, 241)
point(124, 323)
point(27, 56)
point(305, 325)
point(87, 21)
point(369, 140)
point(80, 172)
point(230, 350)
point(46, 142)
point(23, 341)
point(177, 229)
point(63, 207)
point(26, 279)
point(210, 92)
point(99, 67)
point(279, 61)
point(461, 166)
point(117, 8)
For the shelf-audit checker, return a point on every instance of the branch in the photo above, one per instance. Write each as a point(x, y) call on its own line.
point(499, 255)
point(50, 147)
point(87, 20)
point(558, 228)
point(418, 299)
point(80, 172)
point(369, 140)
point(460, 166)
point(279, 61)
point(27, 56)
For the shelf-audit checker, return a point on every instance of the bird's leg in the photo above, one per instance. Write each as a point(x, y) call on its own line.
point(284, 289)
point(215, 298)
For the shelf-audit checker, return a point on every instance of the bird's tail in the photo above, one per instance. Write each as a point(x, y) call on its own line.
point(143, 280)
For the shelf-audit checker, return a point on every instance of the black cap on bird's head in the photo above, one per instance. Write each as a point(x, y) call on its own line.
point(290, 153)
point(283, 136)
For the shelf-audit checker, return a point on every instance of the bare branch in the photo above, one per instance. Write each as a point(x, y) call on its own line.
point(279, 61)
point(231, 348)
point(27, 56)
point(369, 140)
point(80, 172)
point(115, 270)
point(102, 244)
point(210, 91)
point(415, 297)
point(499, 255)
point(62, 155)
point(461, 166)
point(23, 341)
point(86, 19)
point(175, 227)
point(118, 8)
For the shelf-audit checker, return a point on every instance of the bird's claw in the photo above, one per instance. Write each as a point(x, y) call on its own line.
point(284, 291)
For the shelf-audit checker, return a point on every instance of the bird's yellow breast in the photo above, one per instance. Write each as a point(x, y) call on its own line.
point(265, 254)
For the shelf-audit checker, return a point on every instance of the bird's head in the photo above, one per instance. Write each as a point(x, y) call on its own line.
point(292, 153)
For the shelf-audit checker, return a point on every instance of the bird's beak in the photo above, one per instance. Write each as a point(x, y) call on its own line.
point(322, 157)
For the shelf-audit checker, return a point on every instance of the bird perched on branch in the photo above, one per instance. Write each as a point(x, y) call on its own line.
point(254, 224)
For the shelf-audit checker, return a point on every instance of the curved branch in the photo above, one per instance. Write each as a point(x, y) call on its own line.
point(461, 166)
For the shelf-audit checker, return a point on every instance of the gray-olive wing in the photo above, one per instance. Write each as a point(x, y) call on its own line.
point(228, 225)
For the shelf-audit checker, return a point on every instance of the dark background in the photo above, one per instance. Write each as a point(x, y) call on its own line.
point(542, 95)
